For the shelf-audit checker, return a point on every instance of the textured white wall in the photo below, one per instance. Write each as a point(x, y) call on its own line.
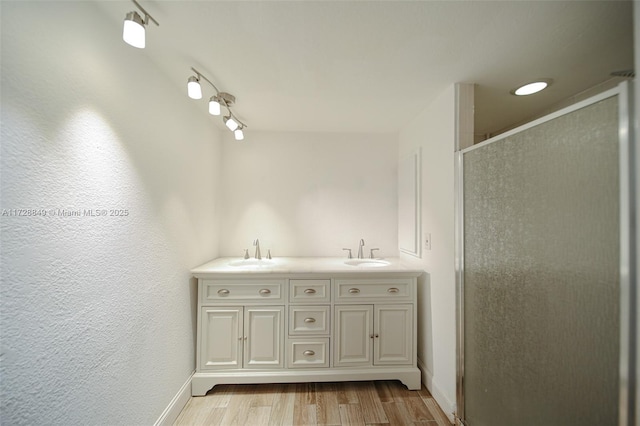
point(310, 194)
point(97, 313)
point(434, 131)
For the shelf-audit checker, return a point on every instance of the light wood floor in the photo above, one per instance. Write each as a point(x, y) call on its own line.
point(347, 403)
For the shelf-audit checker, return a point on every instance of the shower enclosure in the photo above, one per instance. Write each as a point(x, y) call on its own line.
point(542, 261)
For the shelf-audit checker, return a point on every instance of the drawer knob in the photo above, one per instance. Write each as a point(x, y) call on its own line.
point(308, 353)
point(393, 290)
point(308, 320)
point(265, 291)
point(310, 291)
point(223, 292)
point(354, 290)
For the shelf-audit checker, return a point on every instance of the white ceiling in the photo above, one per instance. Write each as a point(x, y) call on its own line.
point(361, 66)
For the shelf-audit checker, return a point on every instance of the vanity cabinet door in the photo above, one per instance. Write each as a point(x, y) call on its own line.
point(373, 335)
point(353, 335)
point(393, 336)
point(220, 337)
point(264, 337)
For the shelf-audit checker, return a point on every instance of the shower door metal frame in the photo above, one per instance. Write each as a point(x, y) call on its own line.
point(628, 249)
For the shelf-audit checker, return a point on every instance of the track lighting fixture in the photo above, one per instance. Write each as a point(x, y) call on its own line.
point(216, 102)
point(133, 32)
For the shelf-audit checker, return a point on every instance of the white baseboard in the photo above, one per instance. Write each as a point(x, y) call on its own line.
point(171, 413)
point(448, 407)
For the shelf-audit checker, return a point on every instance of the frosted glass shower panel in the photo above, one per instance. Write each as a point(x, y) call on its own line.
point(541, 274)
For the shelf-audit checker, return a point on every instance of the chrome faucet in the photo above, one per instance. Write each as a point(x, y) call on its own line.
point(257, 244)
point(360, 255)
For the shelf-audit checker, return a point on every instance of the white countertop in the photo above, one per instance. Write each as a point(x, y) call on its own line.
point(299, 265)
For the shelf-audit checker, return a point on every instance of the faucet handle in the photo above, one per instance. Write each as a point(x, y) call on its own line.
point(371, 254)
point(246, 253)
point(349, 255)
point(269, 254)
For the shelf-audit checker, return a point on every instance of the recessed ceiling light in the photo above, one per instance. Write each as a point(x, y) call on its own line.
point(531, 88)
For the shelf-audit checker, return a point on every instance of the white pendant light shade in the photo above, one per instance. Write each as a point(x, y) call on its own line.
point(230, 123)
point(214, 106)
point(133, 31)
point(193, 88)
point(239, 134)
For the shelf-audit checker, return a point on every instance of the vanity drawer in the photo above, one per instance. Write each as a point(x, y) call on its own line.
point(379, 289)
point(309, 291)
point(304, 320)
point(245, 290)
point(308, 353)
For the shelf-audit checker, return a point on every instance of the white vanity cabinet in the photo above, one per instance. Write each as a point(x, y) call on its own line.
point(287, 327)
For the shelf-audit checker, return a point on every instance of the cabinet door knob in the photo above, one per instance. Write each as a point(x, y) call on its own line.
point(239, 337)
point(245, 337)
point(377, 336)
point(308, 320)
point(265, 291)
point(371, 336)
point(308, 353)
point(393, 290)
point(310, 291)
point(223, 292)
point(354, 290)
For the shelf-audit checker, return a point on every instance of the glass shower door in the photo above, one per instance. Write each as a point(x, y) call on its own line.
point(540, 275)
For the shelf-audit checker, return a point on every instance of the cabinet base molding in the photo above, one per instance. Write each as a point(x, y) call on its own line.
point(203, 382)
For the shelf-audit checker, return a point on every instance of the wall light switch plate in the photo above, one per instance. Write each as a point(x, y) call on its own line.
point(427, 240)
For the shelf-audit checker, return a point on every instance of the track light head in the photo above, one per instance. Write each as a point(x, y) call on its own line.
point(193, 88)
point(133, 32)
point(214, 105)
point(230, 123)
point(238, 134)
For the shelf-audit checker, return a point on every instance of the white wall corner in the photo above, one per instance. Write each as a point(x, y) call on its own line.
point(448, 407)
point(465, 109)
point(171, 413)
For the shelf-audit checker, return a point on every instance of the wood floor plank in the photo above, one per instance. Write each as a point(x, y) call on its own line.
point(305, 393)
point(440, 417)
point(258, 416)
point(347, 393)
point(283, 404)
point(417, 409)
point(262, 395)
point(327, 406)
point(370, 403)
point(195, 412)
point(214, 418)
point(433, 407)
point(305, 415)
point(219, 396)
point(397, 413)
point(399, 391)
point(351, 414)
point(384, 393)
point(238, 408)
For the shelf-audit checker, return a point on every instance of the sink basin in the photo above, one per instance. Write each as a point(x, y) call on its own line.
point(370, 263)
point(251, 262)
